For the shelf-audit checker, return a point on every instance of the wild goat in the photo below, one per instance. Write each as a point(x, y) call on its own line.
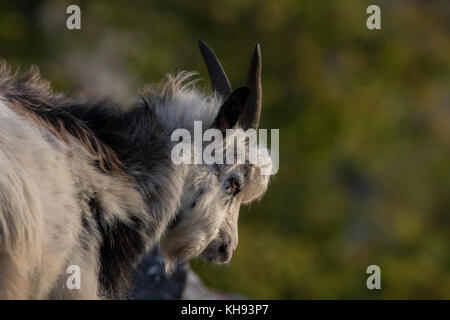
point(85, 182)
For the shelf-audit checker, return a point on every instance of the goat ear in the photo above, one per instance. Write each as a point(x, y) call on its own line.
point(231, 109)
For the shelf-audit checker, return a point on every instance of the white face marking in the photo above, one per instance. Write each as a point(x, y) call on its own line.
point(208, 222)
point(209, 208)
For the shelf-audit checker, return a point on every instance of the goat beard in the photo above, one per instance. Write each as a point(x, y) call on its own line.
point(180, 247)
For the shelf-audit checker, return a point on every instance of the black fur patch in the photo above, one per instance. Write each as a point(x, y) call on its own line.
point(130, 142)
point(122, 246)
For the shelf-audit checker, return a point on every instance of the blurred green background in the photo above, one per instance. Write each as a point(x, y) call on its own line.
point(364, 119)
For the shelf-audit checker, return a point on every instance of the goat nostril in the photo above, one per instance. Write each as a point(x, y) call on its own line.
point(223, 248)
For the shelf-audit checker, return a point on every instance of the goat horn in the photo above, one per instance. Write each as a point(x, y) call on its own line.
point(219, 80)
point(252, 110)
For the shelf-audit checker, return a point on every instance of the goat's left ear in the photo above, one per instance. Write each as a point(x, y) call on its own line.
point(231, 109)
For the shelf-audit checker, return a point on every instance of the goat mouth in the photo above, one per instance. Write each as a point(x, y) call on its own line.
point(211, 257)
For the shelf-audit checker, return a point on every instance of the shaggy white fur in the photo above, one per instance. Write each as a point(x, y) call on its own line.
point(83, 182)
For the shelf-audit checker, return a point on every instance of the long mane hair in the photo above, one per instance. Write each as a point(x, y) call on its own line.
point(31, 96)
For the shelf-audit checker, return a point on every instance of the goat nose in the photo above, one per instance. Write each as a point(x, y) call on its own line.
point(223, 248)
point(225, 252)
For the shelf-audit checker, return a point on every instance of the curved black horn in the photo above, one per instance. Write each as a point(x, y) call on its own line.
point(252, 110)
point(219, 80)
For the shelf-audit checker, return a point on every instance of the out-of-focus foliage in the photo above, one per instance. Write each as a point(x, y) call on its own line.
point(364, 119)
